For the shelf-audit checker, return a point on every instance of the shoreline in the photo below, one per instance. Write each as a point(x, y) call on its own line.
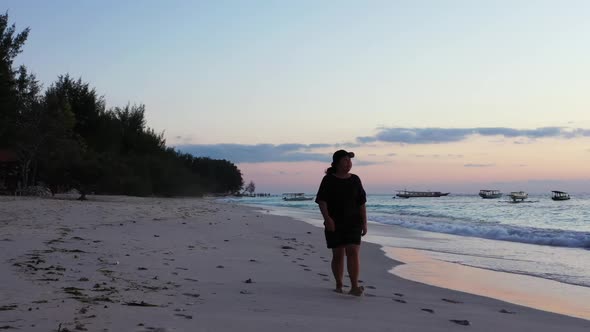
point(520, 289)
point(142, 264)
point(552, 296)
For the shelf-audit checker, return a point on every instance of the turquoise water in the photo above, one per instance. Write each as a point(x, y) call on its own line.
point(539, 237)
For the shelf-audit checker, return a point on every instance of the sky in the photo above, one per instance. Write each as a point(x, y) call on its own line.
point(430, 95)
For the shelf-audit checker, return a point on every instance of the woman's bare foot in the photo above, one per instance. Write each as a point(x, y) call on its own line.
point(338, 290)
point(357, 291)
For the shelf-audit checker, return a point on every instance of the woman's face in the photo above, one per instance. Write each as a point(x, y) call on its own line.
point(344, 164)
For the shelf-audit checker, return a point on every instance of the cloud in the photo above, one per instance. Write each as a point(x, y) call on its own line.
point(318, 146)
point(264, 153)
point(259, 153)
point(523, 142)
point(438, 156)
point(365, 163)
point(479, 165)
point(366, 139)
point(349, 145)
point(421, 135)
point(449, 135)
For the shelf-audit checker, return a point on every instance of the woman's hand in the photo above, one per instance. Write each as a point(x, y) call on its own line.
point(364, 230)
point(329, 225)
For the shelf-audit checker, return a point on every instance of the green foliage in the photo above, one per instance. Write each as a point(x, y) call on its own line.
point(250, 188)
point(11, 44)
point(66, 138)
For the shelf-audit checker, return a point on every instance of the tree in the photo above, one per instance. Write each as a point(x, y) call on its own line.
point(11, 44)
point(66, 138)
point(29, 136)
point(250, 188)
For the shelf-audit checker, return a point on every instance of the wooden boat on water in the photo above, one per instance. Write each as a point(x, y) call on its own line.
point(559, 195)
point(518, 195)
point(296, 197)
point(490, 193)
point(409, 194)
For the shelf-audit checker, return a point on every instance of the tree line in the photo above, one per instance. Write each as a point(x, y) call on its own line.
point(64, 137)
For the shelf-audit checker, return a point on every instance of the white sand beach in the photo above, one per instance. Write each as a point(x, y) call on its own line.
point(152, 264)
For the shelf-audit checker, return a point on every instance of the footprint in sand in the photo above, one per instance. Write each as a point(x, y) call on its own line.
point(400, 300)
point(452, 301)
point(463, 322)
point(427, 310)
point(185, 316)
point(504, 311)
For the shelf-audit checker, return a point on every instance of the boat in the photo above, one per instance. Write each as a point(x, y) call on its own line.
point(408, 194)
point(559, 195)
point(490, 193)
point(296, 197)
point(518, 195)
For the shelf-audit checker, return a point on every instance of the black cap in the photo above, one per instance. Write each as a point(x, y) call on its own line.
point(341, 154)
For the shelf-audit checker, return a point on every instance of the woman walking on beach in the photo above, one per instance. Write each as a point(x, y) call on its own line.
point(342, 199)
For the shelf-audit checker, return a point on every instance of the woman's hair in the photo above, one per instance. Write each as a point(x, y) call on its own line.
point(331, 169)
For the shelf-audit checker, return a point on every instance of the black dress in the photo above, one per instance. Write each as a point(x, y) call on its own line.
point(344, 198)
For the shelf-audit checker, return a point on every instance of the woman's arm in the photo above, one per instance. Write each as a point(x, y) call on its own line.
point(328, 222)
point(364, 219)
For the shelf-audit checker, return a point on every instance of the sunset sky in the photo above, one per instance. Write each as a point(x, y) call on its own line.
point(431, 95)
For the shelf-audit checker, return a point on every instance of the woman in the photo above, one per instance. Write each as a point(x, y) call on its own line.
point(342, 199)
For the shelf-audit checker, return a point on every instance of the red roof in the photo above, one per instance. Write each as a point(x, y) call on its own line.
point(7, 156)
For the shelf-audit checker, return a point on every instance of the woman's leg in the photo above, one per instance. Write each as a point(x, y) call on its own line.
point(354, 265)
point(338, 266)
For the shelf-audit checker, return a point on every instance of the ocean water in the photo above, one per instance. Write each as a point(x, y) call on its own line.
point(539, 237)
